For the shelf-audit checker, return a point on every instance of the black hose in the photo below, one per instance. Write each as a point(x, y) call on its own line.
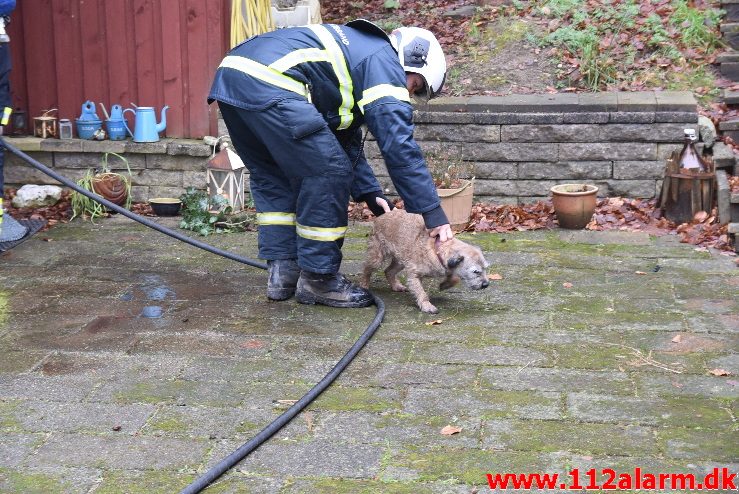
point(125, 212)
point(241, 453)
point(225, 464)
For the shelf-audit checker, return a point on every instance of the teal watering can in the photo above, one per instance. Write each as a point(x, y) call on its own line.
point(146, 128)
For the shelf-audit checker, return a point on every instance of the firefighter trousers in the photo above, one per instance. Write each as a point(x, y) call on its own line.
point(300, 179)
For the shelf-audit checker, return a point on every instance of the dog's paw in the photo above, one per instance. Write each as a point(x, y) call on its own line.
point(399, 287)
point(429, 308)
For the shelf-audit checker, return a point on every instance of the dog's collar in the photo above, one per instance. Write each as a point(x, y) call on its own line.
point(437, 244)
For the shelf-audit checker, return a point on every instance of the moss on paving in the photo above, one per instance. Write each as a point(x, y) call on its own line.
point(350, 486)
point(153, 392)
point(29, 483)
point(339, 398)
point(9, 416)
point(467, 466)
point(150, 482)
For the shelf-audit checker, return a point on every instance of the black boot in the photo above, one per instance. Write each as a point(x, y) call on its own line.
point(283, 278)
point(333, 290)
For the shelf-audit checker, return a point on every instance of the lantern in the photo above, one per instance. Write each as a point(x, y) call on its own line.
point(225, 177)
point(18, 120)
point(45, 126)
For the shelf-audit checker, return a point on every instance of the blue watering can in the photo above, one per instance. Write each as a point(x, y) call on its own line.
point(116, 124)
point(146, 128)
point(89, 122)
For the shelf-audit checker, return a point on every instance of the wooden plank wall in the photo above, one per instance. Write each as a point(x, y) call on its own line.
point(146, 52)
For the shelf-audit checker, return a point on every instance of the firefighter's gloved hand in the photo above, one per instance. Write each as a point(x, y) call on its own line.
point(376, 202)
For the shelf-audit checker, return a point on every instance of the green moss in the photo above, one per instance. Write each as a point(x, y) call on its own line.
point(353, 399)
point(9, 416)
point(348, 486)
point(152, 392)
point(150, 482)
point(582, 438)
point(4, 308)
point(718, 445)
point(169, 424)
point(464, 465)
point(29, 483)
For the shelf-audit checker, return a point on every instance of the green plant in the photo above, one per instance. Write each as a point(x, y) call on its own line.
point(86, 207)
point(206, 215)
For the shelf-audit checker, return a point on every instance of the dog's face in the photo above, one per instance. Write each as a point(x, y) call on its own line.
point(467, 263)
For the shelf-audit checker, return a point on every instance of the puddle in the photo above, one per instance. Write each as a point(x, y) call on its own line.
point(152, 311)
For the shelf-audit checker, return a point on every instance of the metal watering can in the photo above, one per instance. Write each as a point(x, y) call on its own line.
point(146, 128)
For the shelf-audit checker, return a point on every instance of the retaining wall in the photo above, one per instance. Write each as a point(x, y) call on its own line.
point(518, 146)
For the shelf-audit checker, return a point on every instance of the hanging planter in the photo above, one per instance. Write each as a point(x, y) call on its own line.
point(114, 187)
point(574, 204)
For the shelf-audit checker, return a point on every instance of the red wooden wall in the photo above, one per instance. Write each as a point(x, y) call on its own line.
point(147, 52)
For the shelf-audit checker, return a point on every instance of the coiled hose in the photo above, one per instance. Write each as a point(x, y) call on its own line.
point(225, 464)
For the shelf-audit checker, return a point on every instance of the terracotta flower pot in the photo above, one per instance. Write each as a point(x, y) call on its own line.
point(574, 204)
point(112, 187)
point(457, 203)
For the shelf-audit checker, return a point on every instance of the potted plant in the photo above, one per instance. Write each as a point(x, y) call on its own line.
point(454, 184)
point(113, 186)
point(574, 204)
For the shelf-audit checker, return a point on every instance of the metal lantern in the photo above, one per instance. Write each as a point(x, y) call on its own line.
point(225, 177)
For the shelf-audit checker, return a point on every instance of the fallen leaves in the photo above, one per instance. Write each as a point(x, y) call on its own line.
point(495, 277)
point(677, 339)
point(719, 372)
point(567, 285)
point(435, 322)
point(450, 430)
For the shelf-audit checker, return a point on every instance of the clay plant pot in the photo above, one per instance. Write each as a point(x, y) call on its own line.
point(111, 186)
point(574, 204)
point(457, 203)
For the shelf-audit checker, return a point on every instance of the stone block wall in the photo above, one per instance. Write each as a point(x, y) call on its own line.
point(517, 147)
point(160, 169)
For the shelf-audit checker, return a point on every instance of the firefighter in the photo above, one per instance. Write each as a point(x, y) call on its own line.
point(294, 101)
point(13, 230)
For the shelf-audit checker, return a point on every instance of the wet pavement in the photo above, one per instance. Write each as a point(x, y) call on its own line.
point(132, 363)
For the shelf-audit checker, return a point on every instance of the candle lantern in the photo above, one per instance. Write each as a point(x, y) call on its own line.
point(19, 123)
point(225, 177)
point(45, 125)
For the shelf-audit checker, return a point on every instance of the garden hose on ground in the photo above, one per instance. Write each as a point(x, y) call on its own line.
point(225, 464)
point(249, 18)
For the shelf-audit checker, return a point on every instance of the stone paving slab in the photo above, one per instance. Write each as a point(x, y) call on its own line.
point(594, 350)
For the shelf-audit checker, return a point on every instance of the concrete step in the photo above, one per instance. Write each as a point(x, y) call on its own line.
point(728, 56)
point(730, 128)
point(731, 9)
point(729, 64)
point(730, 31)
point(731, 97)
point(723, 157)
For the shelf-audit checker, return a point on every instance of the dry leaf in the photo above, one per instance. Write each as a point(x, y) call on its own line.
point(495, 276)
point(640, 272)
point(434, 322)
point(720, 372)
point(567, 285)
point(450, 430)
point(677, 339)
point(287, 402)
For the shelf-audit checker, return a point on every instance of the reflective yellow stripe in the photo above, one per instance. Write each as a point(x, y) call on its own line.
point(341, 71)
point(276, 219)
point(380, 91)
point(264, 73)
point(321, 234)
point(300, 56)
point(6, 115)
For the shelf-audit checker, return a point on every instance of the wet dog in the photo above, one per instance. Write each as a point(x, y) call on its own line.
point(402, 239)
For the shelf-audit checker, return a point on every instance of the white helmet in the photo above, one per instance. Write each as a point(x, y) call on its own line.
point(421, 53)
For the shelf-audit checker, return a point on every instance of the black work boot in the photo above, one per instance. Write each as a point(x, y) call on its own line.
point(333, 290)
point(283, 277)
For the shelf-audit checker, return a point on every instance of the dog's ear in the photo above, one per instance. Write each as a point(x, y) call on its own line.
point(454, 261)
